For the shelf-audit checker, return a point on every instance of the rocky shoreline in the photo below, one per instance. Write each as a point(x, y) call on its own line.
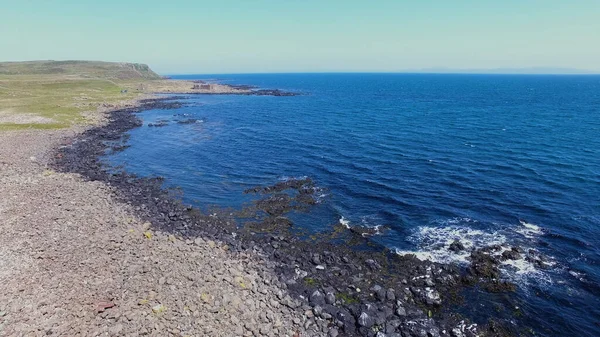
point(342, 283)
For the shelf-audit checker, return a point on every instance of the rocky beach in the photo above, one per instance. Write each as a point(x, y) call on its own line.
point(87, 250)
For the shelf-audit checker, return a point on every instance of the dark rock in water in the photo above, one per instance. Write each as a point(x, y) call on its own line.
point(272, 92)
point(483, 265)
point(456, 246)
point(517, 249)
point(275, 205)
point(242, 86)
point(538, 260)
point(496, 286)
point(511, 255)
point(189, 121)
point(159, 123)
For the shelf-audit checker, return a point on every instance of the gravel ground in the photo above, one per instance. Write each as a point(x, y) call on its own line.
point(74, 261)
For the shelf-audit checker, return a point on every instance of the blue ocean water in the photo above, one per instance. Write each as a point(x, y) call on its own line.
point(503, 159)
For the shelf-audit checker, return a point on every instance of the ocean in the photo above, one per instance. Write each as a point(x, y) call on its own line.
point(426, 159)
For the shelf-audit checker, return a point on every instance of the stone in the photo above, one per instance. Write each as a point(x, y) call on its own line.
point(392, 325)
point(372, 264)
point(390, 294)
point(316, 259)
point(456, 246)
point(400, 311)
point(365, 320)
point(116, 329)
point(317, 298)
point(329, 298)
point(511, 255)
point(432, 297)
point(333, 332)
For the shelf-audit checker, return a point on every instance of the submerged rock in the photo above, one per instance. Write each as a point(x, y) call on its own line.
point(456, 246)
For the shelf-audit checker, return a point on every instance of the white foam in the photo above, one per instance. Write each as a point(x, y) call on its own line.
point(345, 222)
point(376, 230)
point(433, 244)
point(529, 230)
point(287, 178)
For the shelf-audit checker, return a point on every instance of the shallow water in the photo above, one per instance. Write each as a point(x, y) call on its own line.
point(486, 159)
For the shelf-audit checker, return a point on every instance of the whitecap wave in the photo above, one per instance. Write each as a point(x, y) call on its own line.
point(434, 244)
point(345, 222)
point(529, 230)
point(366, 229)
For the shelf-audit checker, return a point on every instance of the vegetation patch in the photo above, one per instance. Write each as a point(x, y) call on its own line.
point(59, 92)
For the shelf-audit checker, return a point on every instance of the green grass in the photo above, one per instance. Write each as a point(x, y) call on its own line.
point(311, 282)
point(347, 298)
point(59, 92)
point(91, 69)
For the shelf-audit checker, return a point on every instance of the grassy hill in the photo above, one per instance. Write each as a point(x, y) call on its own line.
point(91, 69)
point(56, 94)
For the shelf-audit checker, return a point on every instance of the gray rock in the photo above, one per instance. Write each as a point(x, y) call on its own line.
point(432, 296)
point(316, 259)
point(456, 246)
point(390, 294)
point(318, 310)
point(116, 329)
point(392, 325)
point(333, 332)
point(373, 264)
point(365, 320)
point(329, 298)
point(317, 298)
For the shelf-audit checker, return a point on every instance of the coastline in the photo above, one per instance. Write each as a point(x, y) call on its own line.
point(386, 292)
point(78, 261)
point(307, 288)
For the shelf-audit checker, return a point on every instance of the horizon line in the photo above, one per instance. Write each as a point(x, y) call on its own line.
point(532, 70)
point(408, 72)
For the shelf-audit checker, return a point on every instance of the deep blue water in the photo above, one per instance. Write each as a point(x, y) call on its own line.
point(482, 158)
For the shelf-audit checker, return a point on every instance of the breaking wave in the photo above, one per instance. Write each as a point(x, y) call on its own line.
point(435, 242)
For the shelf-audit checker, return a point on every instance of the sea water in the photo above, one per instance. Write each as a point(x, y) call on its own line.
point(430, 159)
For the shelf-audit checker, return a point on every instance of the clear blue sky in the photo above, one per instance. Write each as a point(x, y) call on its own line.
point(226, 36)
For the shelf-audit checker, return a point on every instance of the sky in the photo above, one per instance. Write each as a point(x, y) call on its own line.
point(258, 36)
